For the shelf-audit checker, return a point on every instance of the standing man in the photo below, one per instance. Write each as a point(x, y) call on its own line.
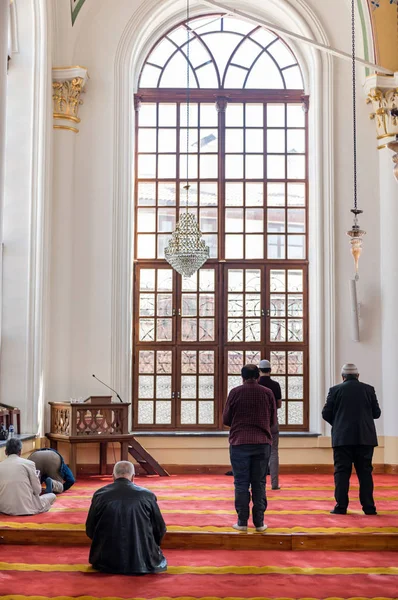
point(126, 527)
point(351, 408)
point(250, 412)
point(266, 381)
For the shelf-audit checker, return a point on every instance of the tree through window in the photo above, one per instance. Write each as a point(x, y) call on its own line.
point(248, 174)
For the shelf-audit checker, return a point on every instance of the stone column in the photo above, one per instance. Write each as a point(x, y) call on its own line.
point(68, 84)
point(382, 93)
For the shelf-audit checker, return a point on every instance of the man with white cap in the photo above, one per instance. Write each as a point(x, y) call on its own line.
point(351, 408)
point(271, 384)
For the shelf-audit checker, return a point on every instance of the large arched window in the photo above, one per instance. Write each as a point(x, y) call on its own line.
point(247, 167)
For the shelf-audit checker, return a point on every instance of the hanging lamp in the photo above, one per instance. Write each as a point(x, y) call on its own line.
point(186, 251)
point(356, 233)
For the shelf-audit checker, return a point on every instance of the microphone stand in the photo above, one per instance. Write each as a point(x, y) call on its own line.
point(109, 387)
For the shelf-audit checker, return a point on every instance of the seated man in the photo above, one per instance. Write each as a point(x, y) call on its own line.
point(20, 485)
point(54, 472)
point(126, 527)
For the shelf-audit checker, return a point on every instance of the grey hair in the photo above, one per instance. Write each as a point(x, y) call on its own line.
point(13, 446)
point(123, 468)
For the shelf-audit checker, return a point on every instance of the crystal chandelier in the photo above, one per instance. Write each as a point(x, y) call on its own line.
point(356, 233)
point(186, 251)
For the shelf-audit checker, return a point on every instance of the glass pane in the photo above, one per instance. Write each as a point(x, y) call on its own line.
point(296, 166)
point(145, 413)
point(235, 330)
point(146, 194)
point(234, 246)
point(278, 305)
point(296, 246)
point(146, 166)
point(167, 140)
point(166, 219)
point(208, 115)
point(164, 330)
point(254, 246)
point(193, 114)
point(150, 77)
point(265, 74)
point(282, 54)
point(276, 246)
point(254, 220)
point(146, 386)
point(163, 361)
point(234, 115)
point(188, 386)
point(252, 330)
point(254, 194)
point(146, 361)
point(206, 386)
point(295, 280)
point(282, 383)
point(190, 284)
point(254, 115)
point(147, 330)
point(254, 140)
point(166, 194)
point(206, 330)
point(252, 357)
point(276, 115)
point(208, 141)
point(295, 115)
point(208, 194)
point(247, 52)
point(233, 219)
point(167, 166)
point(188, 361)
point(282, 414)
point(293, 78)
point(295, 362)
point(165, 280)
point(234, 140)
point(296, 194)
point(208, 166)
point(296, 141)
point(275, 167)
point(192, 168)
point(234, 381)
point(278, 330)
point(235, 305)
point(188, 413)
point(295, 330)
point(278, 280)
point(235, 361)
point(234, 166)
point(276, 220)
point(234, 194)
point(206, 361)
point(162, 52)
point(146, 140)
point(163, 386)
point(211, 240)
point(206, 280)
point(146, 219)
point(253, 305)
point(167, 115)
point(235, 280)
point(163, 413)
point(295, 387)
point(165, 305)
point(206, 305)
point(189, 331)
point(295, 306)
point(253, 280)
point(278, 361)
point(206, 413)
point(147, 115)
point(296, 220)
point(276, 194)
point(147, 305)
point(189, 305)
point(295, 413)
point(275, 141)
point(189, 144)
point(208, 219)
point(254, 166)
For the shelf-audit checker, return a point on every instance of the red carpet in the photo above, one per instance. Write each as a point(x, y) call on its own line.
point(54, 572)
point(206, 503)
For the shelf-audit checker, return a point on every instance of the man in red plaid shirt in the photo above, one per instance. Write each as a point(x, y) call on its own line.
point(250, 412)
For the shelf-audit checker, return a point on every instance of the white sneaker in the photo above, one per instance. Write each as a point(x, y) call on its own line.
point(262, 528)
point(239, 527)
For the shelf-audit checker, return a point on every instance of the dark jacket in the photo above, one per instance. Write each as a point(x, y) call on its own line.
point(126, 527)
point(351, 408)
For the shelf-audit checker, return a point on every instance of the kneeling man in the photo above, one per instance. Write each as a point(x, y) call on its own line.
point(53, 471)
point(126, 527)
point(20, 486)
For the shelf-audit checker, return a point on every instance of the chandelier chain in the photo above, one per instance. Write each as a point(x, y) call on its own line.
point(188, 106)
point(354, 101)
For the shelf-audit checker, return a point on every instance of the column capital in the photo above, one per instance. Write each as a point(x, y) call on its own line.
point(68, 84)
point(382, 93)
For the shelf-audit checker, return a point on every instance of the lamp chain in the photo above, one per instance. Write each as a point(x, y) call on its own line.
point(188, 103)
point(354, 101)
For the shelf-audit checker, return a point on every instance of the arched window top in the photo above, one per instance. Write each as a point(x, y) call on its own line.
point(224, 53)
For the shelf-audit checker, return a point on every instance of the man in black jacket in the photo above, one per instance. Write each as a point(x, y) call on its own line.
point(126, 527)
point(351, 408)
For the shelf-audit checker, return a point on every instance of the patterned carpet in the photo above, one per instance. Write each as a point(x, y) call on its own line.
point(206, 503)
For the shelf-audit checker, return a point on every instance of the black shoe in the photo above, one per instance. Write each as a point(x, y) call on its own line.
point(370, 512)
point(49, 486)
point(338, 511)
point(275, 487)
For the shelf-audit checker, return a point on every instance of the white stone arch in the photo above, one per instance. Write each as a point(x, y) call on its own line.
point(150, 23)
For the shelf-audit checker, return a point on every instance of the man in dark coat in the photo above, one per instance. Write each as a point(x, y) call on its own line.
point(351, 408)
point(126, 527)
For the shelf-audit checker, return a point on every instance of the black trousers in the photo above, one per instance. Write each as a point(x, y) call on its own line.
point(361, 458)
point(249, 464)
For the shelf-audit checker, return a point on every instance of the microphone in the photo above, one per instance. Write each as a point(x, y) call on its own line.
point(108, 386)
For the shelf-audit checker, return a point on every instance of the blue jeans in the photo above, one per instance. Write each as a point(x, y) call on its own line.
point(249, 464)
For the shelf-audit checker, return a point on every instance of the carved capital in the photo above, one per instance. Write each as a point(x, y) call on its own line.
point(382, 95)
point(68, 84)
point(221, 104)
